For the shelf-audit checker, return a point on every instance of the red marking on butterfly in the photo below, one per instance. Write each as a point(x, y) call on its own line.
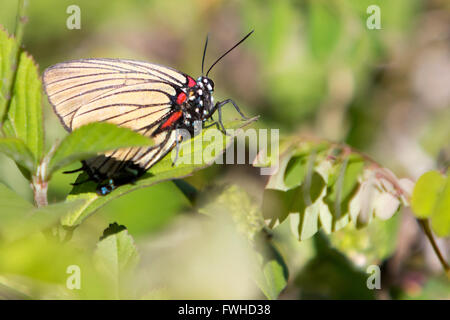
point(181, 98)
point(191, 82)
point(174, 117)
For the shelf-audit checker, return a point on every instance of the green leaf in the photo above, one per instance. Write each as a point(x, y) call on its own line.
point(275, 279)
point(323, 185)
point(293, 163)
point(426, 193)
point(273, 274)
point(8, 49)
point(302, 204)
point(276, 180)
point(431, 199)
point(295, 171)
point(162, 171)
point(12, 204)
point(344, 186)
point(115, 258)
point(19, 218)
point(41, 218)
point(92, 139)
point(440, 220)
point(24, 117)
point(18, 151)
point(277, 204)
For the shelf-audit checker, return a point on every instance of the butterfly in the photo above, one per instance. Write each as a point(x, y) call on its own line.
point(153, 100)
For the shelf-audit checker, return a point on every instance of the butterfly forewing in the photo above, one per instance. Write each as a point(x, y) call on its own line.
point(76, 84)
point(129, 93)
point(134, 106)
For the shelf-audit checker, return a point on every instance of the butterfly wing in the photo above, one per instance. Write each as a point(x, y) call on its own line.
point(129, 93)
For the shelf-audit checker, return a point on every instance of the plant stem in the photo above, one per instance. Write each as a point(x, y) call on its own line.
point(39, 182)
point(425, 223)
point(40, 188)
point(187, 189)
point(21, 20)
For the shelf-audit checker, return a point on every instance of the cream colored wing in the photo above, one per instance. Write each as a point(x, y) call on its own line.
point(129, 93)
point(145, 158)
point(91, 90)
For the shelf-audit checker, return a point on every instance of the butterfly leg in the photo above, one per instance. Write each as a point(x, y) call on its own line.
point(177, 149)
point(81, 182)
point(179, 138)
point(219, 105)
point(84, 167)
point(76, 170)
point(216, 124)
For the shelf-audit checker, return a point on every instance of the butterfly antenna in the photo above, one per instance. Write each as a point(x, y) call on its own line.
point(204, 52)
point(220, 58)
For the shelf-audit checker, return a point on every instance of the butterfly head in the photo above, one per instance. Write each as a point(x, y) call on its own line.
point(205, 83)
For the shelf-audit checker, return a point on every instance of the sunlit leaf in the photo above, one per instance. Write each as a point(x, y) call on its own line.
point(18, 151)
point(323, 185)
point(273, 274)
point(162, 171)
point(24, 116)
point(295, 171)
point(19, 218)
point(345, 184)
point(7, 58)
point(115, 258)
point(92, 139)
point(426, 193)
point(440, 220)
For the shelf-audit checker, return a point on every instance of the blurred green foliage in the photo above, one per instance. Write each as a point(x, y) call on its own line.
point(311, 66)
